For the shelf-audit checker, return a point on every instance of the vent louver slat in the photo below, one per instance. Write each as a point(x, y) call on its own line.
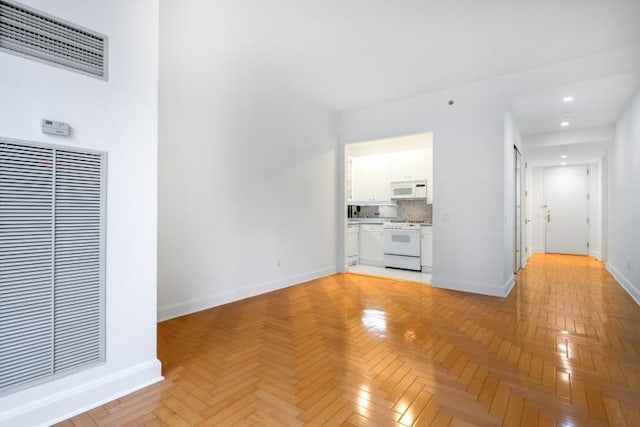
point(51, 262)
point(28, 32)
point(22, 358)
point(77, 252)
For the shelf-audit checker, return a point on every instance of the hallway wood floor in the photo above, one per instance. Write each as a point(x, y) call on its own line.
point(563, 349)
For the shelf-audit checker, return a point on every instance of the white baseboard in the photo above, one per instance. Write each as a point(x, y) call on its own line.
point(526, 258)
point(72, 401)
point(180, 309)
point(626, 284)
point(537, 250)
point(474, 287)
point(371, 262)
point(596, 254)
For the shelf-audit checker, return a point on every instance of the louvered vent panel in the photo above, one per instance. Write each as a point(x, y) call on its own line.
point(26, 284)
point(78, 253)
point(26, 31)
point(51, 262)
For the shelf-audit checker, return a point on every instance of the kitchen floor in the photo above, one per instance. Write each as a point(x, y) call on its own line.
point(392, 273)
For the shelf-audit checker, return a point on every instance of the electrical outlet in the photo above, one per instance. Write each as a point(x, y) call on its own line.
point(278, 262)
point(629, 265)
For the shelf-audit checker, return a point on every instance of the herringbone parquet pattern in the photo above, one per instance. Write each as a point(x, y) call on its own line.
point(563, 349)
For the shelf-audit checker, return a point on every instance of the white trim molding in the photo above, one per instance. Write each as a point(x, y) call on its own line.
point(476, 288)
point(67, 403)
point(180, 309)
point(626, 284)
point(596, 254)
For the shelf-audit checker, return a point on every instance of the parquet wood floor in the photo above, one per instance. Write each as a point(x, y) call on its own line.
point(563, 349)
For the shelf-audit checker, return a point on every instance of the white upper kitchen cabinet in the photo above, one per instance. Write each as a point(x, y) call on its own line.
point(408, 165)
point(370, 179)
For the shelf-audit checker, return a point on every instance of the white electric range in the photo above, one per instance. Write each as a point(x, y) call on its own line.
point(401, 245)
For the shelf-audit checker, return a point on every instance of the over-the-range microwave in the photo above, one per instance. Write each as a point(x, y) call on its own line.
point(409, 189)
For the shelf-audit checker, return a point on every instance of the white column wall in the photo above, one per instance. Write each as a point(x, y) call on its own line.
point(118, 116)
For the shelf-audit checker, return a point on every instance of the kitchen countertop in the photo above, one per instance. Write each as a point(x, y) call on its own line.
point(379, 221)
point(367, 220)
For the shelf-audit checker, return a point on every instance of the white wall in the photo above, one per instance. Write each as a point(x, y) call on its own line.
point(595, 210)
point(537, 215)
point(623, 244)
point(528, 206)
point(247, 172)
point(469, 178)
point(120, 117)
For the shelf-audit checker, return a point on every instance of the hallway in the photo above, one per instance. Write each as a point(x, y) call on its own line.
point(563, 349)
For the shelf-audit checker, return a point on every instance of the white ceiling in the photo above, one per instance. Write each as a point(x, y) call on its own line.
point(578, 154)
point(419, 141)
point(597, 102)
point(350, 53)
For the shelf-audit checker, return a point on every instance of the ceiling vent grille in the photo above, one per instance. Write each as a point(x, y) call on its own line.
point(33, 34)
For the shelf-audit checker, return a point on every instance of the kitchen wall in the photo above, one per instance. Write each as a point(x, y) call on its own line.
point(623, 245)
point(247, 187)
point(118, 116)
point(470, 223)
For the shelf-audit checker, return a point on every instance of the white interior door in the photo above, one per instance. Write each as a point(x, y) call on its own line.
point(566, 212)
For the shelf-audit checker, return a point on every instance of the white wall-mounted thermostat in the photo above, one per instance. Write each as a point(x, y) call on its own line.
point(55, 128)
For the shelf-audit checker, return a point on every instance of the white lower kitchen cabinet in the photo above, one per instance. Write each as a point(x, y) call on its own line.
point(352, 244)
point(370, 245)
point(426, 248)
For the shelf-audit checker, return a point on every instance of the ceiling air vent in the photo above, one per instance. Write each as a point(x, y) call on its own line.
point(30, 33)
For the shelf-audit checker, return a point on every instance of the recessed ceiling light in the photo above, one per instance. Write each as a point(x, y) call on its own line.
point(568, 98)
point(564, 156)
point(565, 124)
point(563, 163)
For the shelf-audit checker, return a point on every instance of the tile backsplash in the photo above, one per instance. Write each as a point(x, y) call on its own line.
point(415, 210)
point(407, 210)
point(368, 212)
point(378, 212)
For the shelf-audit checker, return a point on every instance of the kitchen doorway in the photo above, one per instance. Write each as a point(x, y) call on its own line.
point(566, 216)
point(389, 199)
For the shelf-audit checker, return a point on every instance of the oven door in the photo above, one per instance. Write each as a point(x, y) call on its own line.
point(401, 242)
